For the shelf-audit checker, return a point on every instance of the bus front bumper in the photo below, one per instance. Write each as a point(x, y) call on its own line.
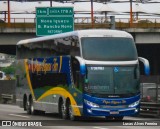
point(110, 112)
point(95, 106)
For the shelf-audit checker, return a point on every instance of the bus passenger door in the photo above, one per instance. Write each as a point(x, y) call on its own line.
point(76, 73)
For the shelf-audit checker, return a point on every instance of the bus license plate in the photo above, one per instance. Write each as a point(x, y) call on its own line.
point(114, 112)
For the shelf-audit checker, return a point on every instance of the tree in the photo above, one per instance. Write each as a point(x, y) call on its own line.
point(9, 70)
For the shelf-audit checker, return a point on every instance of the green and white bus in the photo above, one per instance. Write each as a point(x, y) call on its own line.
point(80, 73)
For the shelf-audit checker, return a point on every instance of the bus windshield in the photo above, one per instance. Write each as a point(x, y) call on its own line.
point(103, 80)
point(108, 48)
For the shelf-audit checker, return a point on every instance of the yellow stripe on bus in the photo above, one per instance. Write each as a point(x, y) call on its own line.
point(60, 64)
point(28, 78)
point(64, 93)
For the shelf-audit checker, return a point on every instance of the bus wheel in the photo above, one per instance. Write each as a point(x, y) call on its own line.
point(33, 111)
point(30, 108)
point(63, 110)
point(120, 118)
point(25, 103)
point(71, 114)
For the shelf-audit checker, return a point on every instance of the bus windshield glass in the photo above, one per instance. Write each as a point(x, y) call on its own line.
point(103, 80)
point(108, 48)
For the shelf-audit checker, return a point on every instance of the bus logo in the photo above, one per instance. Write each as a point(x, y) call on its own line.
point(116, 69)
point(55, 65)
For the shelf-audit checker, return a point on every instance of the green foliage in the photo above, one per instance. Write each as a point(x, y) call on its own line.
point(9, 70)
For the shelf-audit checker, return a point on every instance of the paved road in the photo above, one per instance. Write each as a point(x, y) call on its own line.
point(14, 113)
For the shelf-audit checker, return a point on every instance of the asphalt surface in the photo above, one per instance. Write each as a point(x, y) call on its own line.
point(20, 119)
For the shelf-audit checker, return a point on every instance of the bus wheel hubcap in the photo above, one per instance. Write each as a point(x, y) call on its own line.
point(63, 109)
point(70, 112)
point(32, 108)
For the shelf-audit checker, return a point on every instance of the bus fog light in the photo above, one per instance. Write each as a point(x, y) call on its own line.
point(89, 110)
point(136, 110)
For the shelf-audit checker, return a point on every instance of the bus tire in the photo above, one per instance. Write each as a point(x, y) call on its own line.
point(62, 109)
point(70, 112)
point(120, 118)
point(30, 108)
point(33, 111)
point(59, 107)
point(25, 103)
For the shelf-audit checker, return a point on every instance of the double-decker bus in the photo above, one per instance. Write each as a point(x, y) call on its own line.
point(80, 73)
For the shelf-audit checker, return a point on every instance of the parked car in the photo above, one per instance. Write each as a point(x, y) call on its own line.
point(2, 75)
point(1, 21)
point(150, 99)
point(149, 92)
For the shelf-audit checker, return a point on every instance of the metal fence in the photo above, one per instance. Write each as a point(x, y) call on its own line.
point(86, 21)
point(7, 87)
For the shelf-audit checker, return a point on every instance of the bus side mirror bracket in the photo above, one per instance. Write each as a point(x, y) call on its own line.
point(82, 65)
point(146, 65)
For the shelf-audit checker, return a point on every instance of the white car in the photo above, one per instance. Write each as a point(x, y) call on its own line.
point(2, 75)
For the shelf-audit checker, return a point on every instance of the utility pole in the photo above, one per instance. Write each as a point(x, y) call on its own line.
point(131, 18)
point(112, 24)
point(5, 17)
point(137, 12)
point(9, 20)
point(92, 18)
point(50, 3)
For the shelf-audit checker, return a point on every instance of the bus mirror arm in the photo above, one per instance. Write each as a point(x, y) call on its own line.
point(82, 65)
point(146, 65)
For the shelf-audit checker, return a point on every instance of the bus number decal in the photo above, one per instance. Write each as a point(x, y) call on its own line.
point(97, 68)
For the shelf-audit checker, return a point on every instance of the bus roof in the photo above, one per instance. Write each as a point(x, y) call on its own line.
point(80, 33)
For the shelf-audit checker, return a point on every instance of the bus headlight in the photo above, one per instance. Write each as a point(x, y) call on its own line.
point(90, 103)
point(134, 104)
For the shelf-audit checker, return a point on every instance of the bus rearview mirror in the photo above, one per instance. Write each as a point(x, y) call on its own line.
point(146, 65)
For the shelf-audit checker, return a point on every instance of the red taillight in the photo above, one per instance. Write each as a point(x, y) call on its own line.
point(148, 98)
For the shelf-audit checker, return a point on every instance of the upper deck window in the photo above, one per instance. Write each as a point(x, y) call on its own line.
point(47, 48)
point(108, 48)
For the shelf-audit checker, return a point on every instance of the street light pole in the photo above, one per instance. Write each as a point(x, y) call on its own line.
point(92, 18)
point(9, 22)
point(5, 17)
point(50, 3)
point(131, 18)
